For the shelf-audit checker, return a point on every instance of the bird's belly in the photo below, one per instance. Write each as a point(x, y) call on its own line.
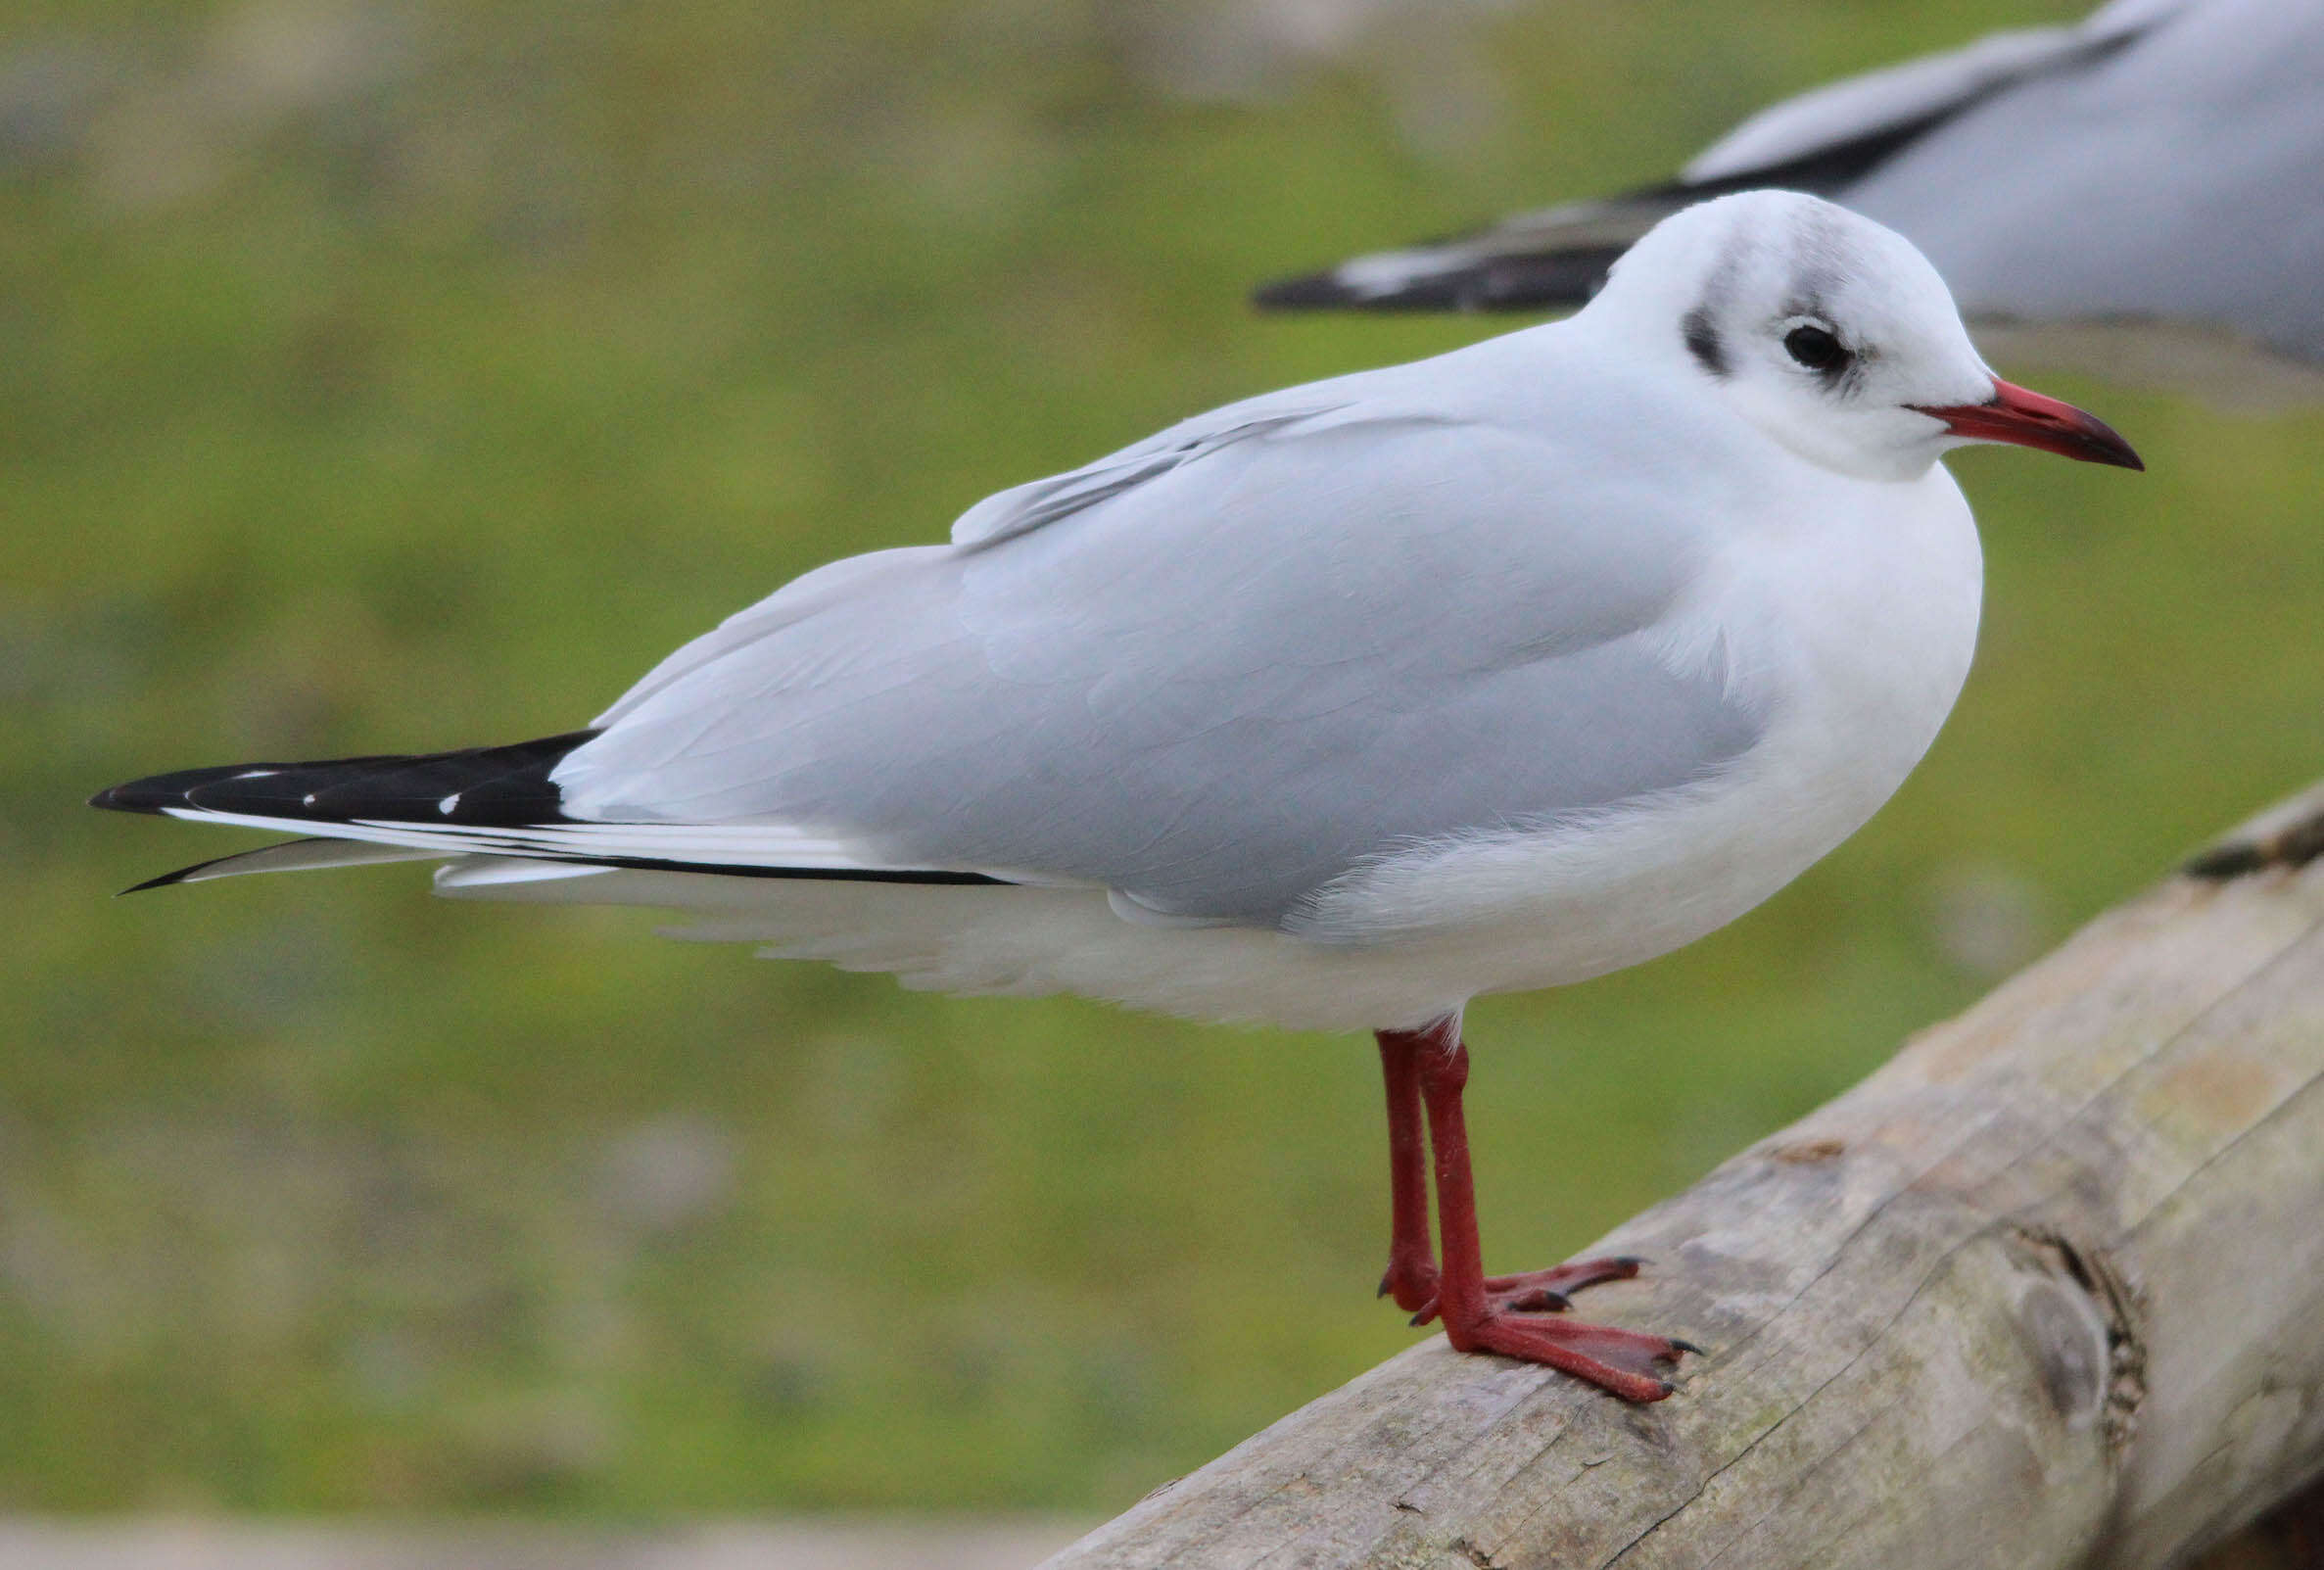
point(1514, 911)
point(1869, 649)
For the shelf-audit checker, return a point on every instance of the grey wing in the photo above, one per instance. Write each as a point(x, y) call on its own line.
point(1823, 141)
point(1893, 104)
point(1216, 689)
point(1002, 516)
point(2179, 178)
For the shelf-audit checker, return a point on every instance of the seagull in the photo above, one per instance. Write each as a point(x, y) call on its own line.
point(2161, 162)
point(1332, 708)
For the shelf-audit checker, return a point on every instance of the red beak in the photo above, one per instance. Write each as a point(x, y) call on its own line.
point(2028, 420)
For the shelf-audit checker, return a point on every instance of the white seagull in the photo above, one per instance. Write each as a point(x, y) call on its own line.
point(1333, 708)
point(2161, 162)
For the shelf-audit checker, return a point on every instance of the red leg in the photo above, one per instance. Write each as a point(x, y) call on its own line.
point(1621, 1362)
point(1411, 1278)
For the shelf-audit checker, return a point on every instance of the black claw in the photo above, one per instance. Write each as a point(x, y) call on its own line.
point(1383, 1292)
point(1636, 1261)
point(1688, 1345)
point(1668, 1389)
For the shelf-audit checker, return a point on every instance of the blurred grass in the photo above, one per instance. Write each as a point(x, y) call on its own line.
point(388, 375)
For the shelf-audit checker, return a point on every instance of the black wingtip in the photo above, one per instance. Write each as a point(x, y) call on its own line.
point(498, 785)
point(1313, 291)
point(1458, 289)
point(137, 796)
point(1545, 282)
point(159, 791)
point(167, 879)
point(186, 874)
point(162, 882)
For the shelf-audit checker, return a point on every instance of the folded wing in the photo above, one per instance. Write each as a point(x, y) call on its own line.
point(1214, 687)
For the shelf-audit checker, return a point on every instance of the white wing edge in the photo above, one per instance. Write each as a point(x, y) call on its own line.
point(1896, 95)
point(497, 872)
point(1023, 508)
point(739, 845)
point(291, 856)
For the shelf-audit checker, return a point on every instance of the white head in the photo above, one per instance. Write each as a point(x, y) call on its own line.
point(1830, 333)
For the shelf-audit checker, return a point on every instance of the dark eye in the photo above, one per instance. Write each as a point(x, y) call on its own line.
point(1816, 349)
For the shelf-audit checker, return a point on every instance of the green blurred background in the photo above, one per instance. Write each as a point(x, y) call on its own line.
point(380, 374)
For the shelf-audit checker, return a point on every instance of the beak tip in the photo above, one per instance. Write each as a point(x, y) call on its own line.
point(2106, 446)
point(2024, 418)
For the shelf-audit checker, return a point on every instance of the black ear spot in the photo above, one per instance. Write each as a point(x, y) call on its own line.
point(1702, 341)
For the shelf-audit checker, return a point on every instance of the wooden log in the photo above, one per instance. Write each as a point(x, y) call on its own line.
point(2045, 1290)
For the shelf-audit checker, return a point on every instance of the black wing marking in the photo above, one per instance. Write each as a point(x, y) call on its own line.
point(454, 793)
point(501, 786)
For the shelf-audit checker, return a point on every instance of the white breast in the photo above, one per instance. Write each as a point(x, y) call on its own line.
point(1855, 628)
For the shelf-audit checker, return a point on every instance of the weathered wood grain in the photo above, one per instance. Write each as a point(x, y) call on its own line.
point(2046, 1290)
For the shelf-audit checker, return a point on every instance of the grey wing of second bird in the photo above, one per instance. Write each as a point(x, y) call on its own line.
point(2161, 160)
